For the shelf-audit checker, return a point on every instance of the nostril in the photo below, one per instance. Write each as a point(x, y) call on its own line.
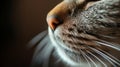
point(53, 22)
point(56, 16)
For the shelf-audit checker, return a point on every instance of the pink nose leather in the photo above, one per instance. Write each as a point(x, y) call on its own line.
point(53, 22)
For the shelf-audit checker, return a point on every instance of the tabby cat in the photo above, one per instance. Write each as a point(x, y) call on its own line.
point(81, 33)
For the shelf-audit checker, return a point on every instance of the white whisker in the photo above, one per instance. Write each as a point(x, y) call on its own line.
point(90, 59)
point(97, 58)
point(46, 59)
point(42, 44)
point(107, 36)
point(37, 39)
point(56, 56)
point(43, 55)
point(104, 56)
point(110, 55)
point(113, 60)
point(85, 58)
point(108, 44)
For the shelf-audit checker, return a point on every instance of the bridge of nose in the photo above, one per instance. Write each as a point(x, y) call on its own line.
point(59, 13)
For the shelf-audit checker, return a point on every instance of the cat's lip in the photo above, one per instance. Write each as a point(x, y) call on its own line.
point(85, 51)
point(72, 50)
point(78, 50)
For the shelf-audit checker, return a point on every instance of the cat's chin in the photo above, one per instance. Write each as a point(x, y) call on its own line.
point(91, 54)
point(83, 59)
point(77, 59)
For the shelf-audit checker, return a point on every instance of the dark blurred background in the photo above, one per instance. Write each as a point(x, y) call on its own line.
point(20, 21)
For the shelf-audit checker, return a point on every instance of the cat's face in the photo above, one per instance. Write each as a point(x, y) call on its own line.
point(86, 31)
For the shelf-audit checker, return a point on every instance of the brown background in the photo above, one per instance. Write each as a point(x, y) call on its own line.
point(20, 21)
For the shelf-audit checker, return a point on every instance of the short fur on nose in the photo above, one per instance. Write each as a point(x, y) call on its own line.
point(56, 15)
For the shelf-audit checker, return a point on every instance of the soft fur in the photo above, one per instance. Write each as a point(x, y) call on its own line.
point(86, 38)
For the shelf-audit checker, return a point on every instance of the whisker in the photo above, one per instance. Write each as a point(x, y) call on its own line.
point(97, 58)
point(113, 60)
point(90, 59)
point(110, 55)
point(43, 55)
point(104, 56)
point(56, 56)
point(85, 58)
point(37, 39)
point(81, 59)
point(42, 44)
point(111, 37)
point(46, 59)
point(108, 44)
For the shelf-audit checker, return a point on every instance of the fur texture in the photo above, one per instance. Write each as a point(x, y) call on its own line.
point(86, 38)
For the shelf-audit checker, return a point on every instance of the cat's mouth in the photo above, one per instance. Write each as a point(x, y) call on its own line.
point(77, 43)
point(81, 52)
point(78, 52)
point(83, 45)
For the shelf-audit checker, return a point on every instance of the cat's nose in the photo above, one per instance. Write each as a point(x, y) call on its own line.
point(57, 15)
point(53, 21)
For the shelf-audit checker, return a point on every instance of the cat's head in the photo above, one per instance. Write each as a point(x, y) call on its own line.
point(86, 31)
